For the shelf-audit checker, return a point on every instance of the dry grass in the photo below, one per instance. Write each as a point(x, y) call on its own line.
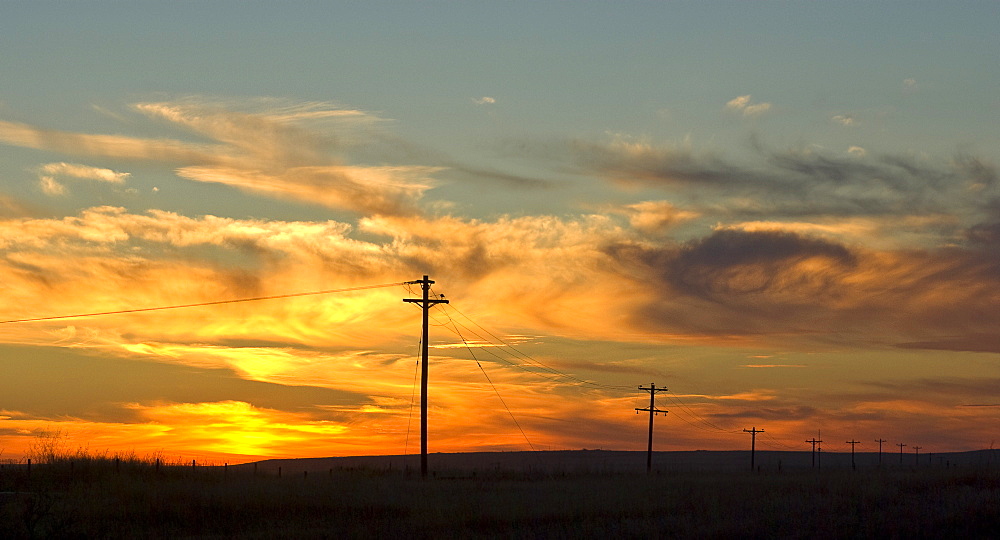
point(87, 496)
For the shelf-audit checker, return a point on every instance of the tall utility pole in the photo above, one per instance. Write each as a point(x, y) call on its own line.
point(916, 455)
point(852, 442)
point(814, 442)
point(425, 304)
point(880, 440)
point(652, 411)
point(900, 445)
point(753, 444)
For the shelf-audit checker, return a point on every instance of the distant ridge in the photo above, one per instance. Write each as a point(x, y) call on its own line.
point(619, 461)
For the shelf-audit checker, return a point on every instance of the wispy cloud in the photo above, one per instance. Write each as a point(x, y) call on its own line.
point(266, 151)
point(844, 119)
point(48, 173)
point(745, 106)
point(83, 171)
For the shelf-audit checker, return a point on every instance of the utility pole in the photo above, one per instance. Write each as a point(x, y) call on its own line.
point(652, 412)
point(852, 442)
point(880, 441)
point(753, 444)
point(425, 304)
point(916, 455)
point(814, 442)
point(900, 445)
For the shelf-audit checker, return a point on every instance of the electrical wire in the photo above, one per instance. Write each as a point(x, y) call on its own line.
point(516, 423)
point(676, 400)
point(199, 304)
point(533, 364)
point(413, 392)
point(777, 442)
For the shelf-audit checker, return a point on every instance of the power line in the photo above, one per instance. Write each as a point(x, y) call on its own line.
point(555, 376)
point(673, 397)
point(409, 414)
point(516, 423)
point(199, 304)
point(776, 441)
point(552, 374)
point(532, 362)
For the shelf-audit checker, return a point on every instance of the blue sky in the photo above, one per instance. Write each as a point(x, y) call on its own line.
point(753, 199)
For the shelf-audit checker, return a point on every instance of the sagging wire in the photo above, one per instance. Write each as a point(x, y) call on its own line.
point(552, 373)
point(413, 392)
point(676, 400)
point(512, 417)
point(199, 304)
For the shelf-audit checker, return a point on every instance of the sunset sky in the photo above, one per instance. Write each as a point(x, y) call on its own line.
point(787, 213)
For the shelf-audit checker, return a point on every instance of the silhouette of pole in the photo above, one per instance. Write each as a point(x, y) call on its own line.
point(652, 411)
point(814, 442)
point(900, 445)
point(916, 455)
point(852, 442)
point(880, 441)
point(425, 304)
point(753, 444)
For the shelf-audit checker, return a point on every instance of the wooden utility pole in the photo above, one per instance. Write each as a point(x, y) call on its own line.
point(652, 411)
point(900, 445)
point(425, 304)
point(814, 442)
point(852, 442)
point(753, 444)
point(916, 455)
point(880, 441)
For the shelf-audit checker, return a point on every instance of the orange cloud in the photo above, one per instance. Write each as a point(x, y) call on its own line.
point(268, 152)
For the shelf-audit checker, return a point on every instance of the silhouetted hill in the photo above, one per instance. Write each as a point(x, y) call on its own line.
point(610, 461)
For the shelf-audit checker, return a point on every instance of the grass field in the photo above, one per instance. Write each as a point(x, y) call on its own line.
point(103, 497)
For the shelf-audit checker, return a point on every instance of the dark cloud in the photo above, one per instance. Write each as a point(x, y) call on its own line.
point(465, 172)
point(941, 391)
point(737, 282)
point(801, 412)
point(984, 234)
point(971, 342)
point(733, 262)
point(987, 233)
point(796, 182)
point(776, 285)
point(664, 166)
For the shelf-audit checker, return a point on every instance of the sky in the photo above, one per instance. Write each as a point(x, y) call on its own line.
point(786, 213)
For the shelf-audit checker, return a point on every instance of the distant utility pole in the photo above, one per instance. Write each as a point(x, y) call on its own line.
point(916, 455)
point(814, 442)
point(425, 304)
point(652, 412)
point(753, 444)
point(900, 445)
point(880, 441)
point(852, 442)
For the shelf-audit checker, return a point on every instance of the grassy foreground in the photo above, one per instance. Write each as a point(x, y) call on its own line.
point(131, 498)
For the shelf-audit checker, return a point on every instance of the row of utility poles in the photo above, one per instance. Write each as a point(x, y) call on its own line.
point(817, 449)
point(425, 302)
